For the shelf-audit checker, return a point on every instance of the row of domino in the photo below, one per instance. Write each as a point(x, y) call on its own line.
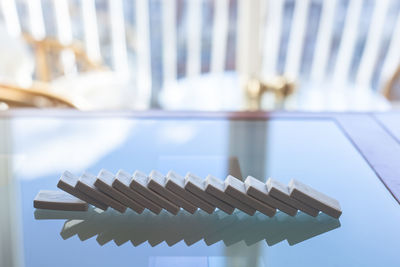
point(173, 192)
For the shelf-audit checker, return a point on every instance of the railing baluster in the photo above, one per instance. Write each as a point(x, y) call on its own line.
point(118, 42)
point(220, 35)
point(272, 37)
point(348, 41)
point(374, 38)
point(193, 33)
point(64, 35)
point(11, 18)
point(324, 39)
point(63, 21)
point(248, 37)
point(92, 44)
point(169, 40)
point(392, 58)
point(36, 20)
point(143, 53)
point(297, 38)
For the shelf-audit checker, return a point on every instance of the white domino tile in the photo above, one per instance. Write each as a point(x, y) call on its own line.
point(86, 186)
point(158, 182)
point(280, 191)
point(139, 183)
point(104, 183)
point(258, 190)
point(197, 186)
point(121, 183)
point(68, 183)
point(236, 188)
point(314, 198)
point(172, 192)
point(176, 184)
point(216, 187)
point(58, 200)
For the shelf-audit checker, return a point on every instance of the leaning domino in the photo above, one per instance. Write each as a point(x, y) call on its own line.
point(191, 193)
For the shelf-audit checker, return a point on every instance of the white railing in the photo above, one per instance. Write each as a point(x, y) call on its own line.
point(323, 41)
point(220, 33)
point(169, 40)
point(259, 37)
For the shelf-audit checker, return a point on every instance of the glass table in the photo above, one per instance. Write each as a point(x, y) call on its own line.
point(35, 150)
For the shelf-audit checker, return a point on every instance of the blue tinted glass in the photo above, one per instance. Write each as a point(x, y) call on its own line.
point(37, 151)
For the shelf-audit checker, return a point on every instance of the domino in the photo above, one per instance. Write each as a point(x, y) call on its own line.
point(157, 183)
point(139, 184)
point(258, 190)
point(176, 184)
point(197, 186)
point(58, 200)
point(86, 186)
point(173, 192)
point(104, 183)
point(68, 182)
point(315, 199)
point(236, 188)
point(281, 192)
point(122, 182)
point(216, 187)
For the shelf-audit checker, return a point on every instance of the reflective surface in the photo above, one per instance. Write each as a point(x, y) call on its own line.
point(391, 122)
point(191, 228)
point(36, 150)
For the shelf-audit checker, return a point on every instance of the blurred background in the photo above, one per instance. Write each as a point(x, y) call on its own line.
point(310, 55)
point(204, 55)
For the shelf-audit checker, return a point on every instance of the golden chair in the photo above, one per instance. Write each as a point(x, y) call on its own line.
point(34, 97)
point(47, 52)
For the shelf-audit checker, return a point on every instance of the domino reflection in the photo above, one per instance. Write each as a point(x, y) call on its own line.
point(191, 228)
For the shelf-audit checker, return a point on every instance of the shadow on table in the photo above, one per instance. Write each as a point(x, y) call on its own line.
point(139, 228)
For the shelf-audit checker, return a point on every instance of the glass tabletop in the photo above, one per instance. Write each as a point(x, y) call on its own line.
point(35, 151)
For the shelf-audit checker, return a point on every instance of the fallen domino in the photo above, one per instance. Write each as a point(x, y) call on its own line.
point(122, 183)
point(58, 200)
point(216, 187)
point(139, 183)
point(174, 192)
point(176, 184)
point(197, 186)
point(236, 189)
point(281, 192)
point(315, 199)
point(258, 190)
point(68, 182)
point(158, 182)
point(104, 182)
point(86, 185)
